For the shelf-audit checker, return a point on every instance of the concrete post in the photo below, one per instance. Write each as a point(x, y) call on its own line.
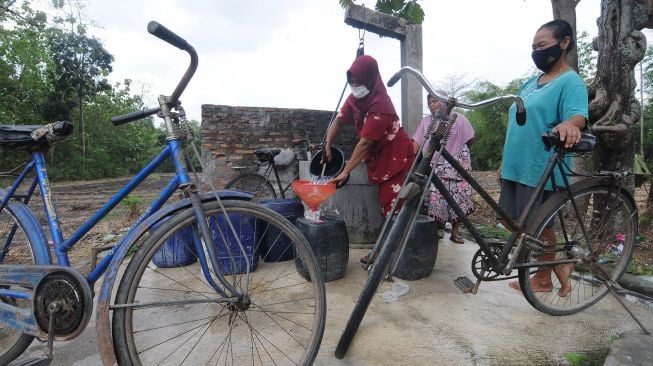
point(411, 89)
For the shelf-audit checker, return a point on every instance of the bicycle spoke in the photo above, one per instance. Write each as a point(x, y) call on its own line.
point(597, 226)
point(176, 282)
point(145, 350)
point(278, 320)
point(175, 324)
point(268, 341)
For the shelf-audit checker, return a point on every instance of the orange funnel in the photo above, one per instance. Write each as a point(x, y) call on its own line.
point(313, 194)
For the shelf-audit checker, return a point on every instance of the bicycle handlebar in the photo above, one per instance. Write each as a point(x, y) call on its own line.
point(133, 116)
point(521, 111)
point(167, 35)
point(158, 30)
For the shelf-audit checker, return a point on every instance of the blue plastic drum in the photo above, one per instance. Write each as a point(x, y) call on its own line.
point(177, 251)
point(276, 247)
point(230, 257)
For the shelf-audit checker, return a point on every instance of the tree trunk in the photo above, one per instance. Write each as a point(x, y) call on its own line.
point(614, 108)
point(82, 132)
point(566, 10)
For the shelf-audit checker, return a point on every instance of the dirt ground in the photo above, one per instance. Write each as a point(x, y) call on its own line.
point(77, 201)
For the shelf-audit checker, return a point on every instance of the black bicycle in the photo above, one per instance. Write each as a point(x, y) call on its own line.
point(259, 177)
point(594, 220)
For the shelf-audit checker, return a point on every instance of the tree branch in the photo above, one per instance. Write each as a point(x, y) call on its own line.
point(608, 115)
point(620, 128)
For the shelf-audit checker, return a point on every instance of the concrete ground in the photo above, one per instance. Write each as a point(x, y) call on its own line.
point(436, 324)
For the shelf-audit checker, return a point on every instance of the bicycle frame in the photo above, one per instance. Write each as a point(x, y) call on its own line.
point(518, 227)
point(61, 245)
point(272, 167)
point(422, 172)
point(172, 150)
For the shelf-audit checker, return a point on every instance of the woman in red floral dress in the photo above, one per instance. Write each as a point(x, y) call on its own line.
point(384, 145)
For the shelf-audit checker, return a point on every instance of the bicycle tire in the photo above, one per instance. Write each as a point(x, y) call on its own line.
point(285, 307)
point(255, 183)
point(17, 251)
point(376, 273)
point(609, 213)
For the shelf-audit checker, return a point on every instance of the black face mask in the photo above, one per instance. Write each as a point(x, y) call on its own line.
point(546, 58)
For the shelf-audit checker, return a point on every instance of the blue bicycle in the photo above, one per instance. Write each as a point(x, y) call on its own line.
point(198, 280)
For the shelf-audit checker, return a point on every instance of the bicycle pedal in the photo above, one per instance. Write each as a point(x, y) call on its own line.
point(466, 285)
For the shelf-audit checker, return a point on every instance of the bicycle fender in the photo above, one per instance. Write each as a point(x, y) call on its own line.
point(37, 238)
point(103, 324)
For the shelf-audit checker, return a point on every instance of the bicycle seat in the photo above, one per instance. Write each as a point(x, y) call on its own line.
point(266, 154)
point(34, 135)
point(587, 142)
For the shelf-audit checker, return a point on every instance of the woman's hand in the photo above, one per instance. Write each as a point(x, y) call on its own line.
point(342, 177)
point(569, 133)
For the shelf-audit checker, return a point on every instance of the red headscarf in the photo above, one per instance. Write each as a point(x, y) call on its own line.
point(366, 71)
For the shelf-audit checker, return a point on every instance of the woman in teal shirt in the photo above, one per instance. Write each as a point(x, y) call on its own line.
point(555, 100)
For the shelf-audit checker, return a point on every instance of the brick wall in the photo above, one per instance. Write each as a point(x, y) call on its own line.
point(229, 134)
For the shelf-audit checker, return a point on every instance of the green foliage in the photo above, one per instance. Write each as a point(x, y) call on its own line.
point(81, 64)
point(489, 124)
point(133, 205)
point(405, 9)
point(112, 150)
point(586, 58)
point(23, 68)
point(640, 165)
point(48, 73)
point(640, 269)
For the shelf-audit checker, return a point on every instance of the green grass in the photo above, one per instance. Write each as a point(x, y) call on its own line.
point(494, 232)
point(133, 205)
point(642, 269)
point(584, 359)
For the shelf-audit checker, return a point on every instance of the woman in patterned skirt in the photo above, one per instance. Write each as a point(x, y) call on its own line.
point(458, 144)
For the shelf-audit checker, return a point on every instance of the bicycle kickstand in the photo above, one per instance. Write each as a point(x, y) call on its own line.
point(616, 290)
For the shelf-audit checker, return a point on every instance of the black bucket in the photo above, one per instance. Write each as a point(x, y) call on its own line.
point(420, 254)
point(330, 243)
point(333, 167)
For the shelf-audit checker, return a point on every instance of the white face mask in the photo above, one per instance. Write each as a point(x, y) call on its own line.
point(359, 91)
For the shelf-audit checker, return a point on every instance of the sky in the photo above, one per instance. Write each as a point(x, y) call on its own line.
point(294, 53)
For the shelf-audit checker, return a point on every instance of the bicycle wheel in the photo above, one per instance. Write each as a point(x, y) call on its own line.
point(278, 320)
point(602, 235)
point(386, 253)
point(15, 249)
point(254, 183)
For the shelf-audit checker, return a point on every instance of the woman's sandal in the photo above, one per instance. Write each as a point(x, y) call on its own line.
point(457, 239)
point(365, 260)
